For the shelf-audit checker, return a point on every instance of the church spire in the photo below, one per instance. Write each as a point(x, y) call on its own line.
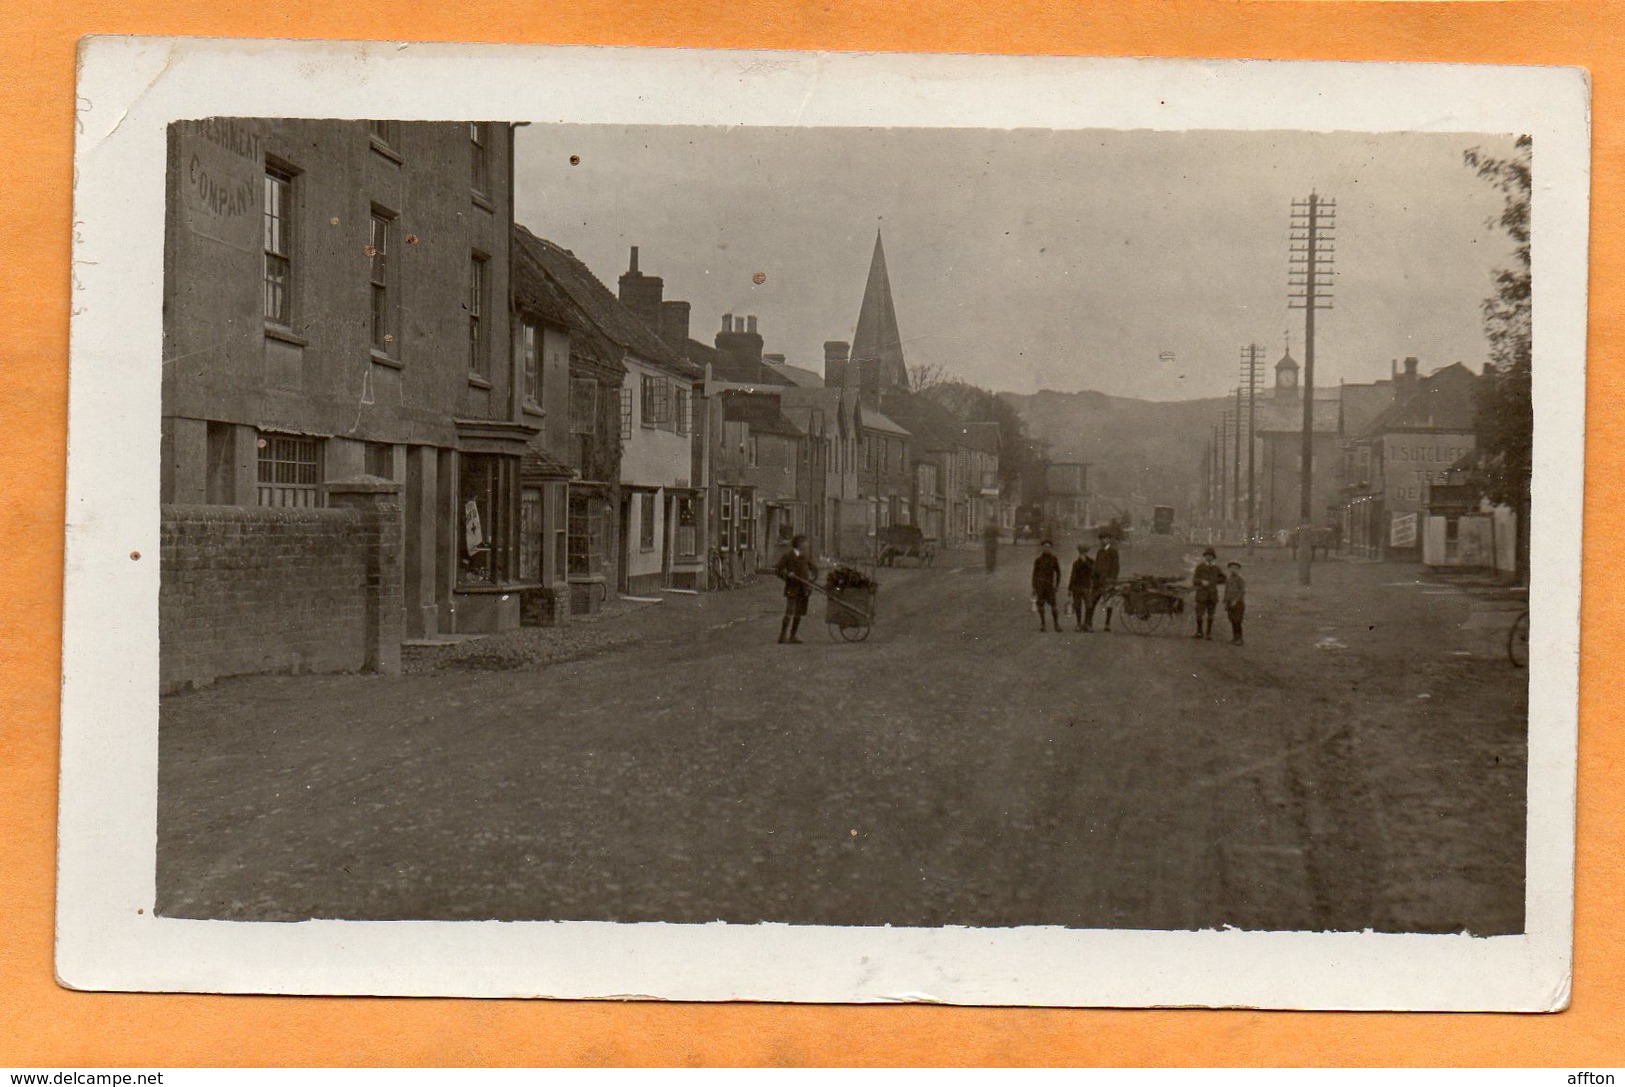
point(877, 347)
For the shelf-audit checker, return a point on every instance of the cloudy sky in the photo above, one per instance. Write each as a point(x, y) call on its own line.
point(1032, 259)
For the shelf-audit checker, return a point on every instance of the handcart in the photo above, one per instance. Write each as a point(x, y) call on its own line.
point(849, 603)
point(1146, 603)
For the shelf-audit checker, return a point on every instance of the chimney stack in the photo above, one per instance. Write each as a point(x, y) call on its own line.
point(835, 363)
point(642, 294)
point(740, 341)
point(674, 325)
point(1407, 382)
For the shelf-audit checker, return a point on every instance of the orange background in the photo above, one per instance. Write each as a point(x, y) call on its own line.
point(44, 1025)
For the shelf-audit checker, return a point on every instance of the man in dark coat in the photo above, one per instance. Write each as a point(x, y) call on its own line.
point(1046, 580)
point(1105, 577)
point(1080, 584)
point(990, 545)
point(1207, 577)
point(799, 573)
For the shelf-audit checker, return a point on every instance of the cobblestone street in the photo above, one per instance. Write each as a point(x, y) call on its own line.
point(1359, 763)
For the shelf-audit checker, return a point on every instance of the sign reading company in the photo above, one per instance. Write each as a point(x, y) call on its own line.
point(219, 173)
point(1412, 461)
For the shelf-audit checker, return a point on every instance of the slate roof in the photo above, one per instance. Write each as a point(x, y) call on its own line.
point(932, 426)
point(795, 375)
point(595, 307)
point(759, 412)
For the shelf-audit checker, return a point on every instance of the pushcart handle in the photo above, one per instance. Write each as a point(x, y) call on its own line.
point(825, 592)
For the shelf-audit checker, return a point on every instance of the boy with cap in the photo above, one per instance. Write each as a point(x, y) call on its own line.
point(1235, 601)
point(1207, 578)
point(1046, 579)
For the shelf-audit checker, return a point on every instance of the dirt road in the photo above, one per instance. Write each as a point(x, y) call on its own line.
point(1359, 763)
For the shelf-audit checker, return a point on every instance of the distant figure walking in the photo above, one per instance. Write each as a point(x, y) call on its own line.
point(1235, 601)
point(1105, 577)
point(1046, 580)
point(799, 573)
point(1207, 577)
point(1081, 583)
point(990, 545)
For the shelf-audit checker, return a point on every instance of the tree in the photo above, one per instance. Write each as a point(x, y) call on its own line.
point(1504, 420)
point(926, 375)
point(975, 404)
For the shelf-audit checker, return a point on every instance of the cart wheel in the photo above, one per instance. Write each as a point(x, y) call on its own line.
point(1518, 642)
point(834, 631)
point(1143, 623)
point(854, 633)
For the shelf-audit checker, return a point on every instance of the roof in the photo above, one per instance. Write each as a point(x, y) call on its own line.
point(796, 375)
point(539, 462)
point(870, 418)
point(1443, 400)
point(982, 436)
point(760, 412)
point(595, 307)
point(932, 426)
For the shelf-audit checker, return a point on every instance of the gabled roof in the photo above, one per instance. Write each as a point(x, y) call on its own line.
point(1443, 400)
point(758, 411)
point(595, 307)
point(981, 436)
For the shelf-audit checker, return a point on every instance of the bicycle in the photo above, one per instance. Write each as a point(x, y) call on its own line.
point(721, 577)
point(1518, 641)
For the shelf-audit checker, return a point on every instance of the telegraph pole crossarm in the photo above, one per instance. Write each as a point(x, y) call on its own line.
point(1309, 281)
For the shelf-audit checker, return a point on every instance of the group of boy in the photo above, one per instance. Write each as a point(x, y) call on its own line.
point(1207, 578)
point(1090, 581)
point(1092, 578)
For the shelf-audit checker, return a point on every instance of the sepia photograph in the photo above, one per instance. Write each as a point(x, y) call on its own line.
point(973, 527)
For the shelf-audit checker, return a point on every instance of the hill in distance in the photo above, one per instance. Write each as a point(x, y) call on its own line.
point(1150, 447)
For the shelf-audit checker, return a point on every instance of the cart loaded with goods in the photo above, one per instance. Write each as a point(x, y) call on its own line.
point(849, 603)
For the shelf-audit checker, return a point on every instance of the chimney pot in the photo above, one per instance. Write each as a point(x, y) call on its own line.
point(727, 322)
point(1410, 364)
point(750, 324)
point(634, 266)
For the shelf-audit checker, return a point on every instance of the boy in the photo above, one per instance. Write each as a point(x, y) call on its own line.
point(1046, 579)
point(1079, 583)
point(1207, 578)
point(1235, 601)
point(799, 574)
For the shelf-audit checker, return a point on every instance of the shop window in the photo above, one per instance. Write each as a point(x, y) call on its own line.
point(585, 543)
point(290, 470)
point(688, 534)
point(560, 504)
point(486, 500)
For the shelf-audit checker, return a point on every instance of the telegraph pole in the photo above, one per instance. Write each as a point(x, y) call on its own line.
point(1310, 252)
point(1235, 489)
point(1250, 362)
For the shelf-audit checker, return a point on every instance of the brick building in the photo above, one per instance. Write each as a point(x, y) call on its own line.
point(336, 306)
